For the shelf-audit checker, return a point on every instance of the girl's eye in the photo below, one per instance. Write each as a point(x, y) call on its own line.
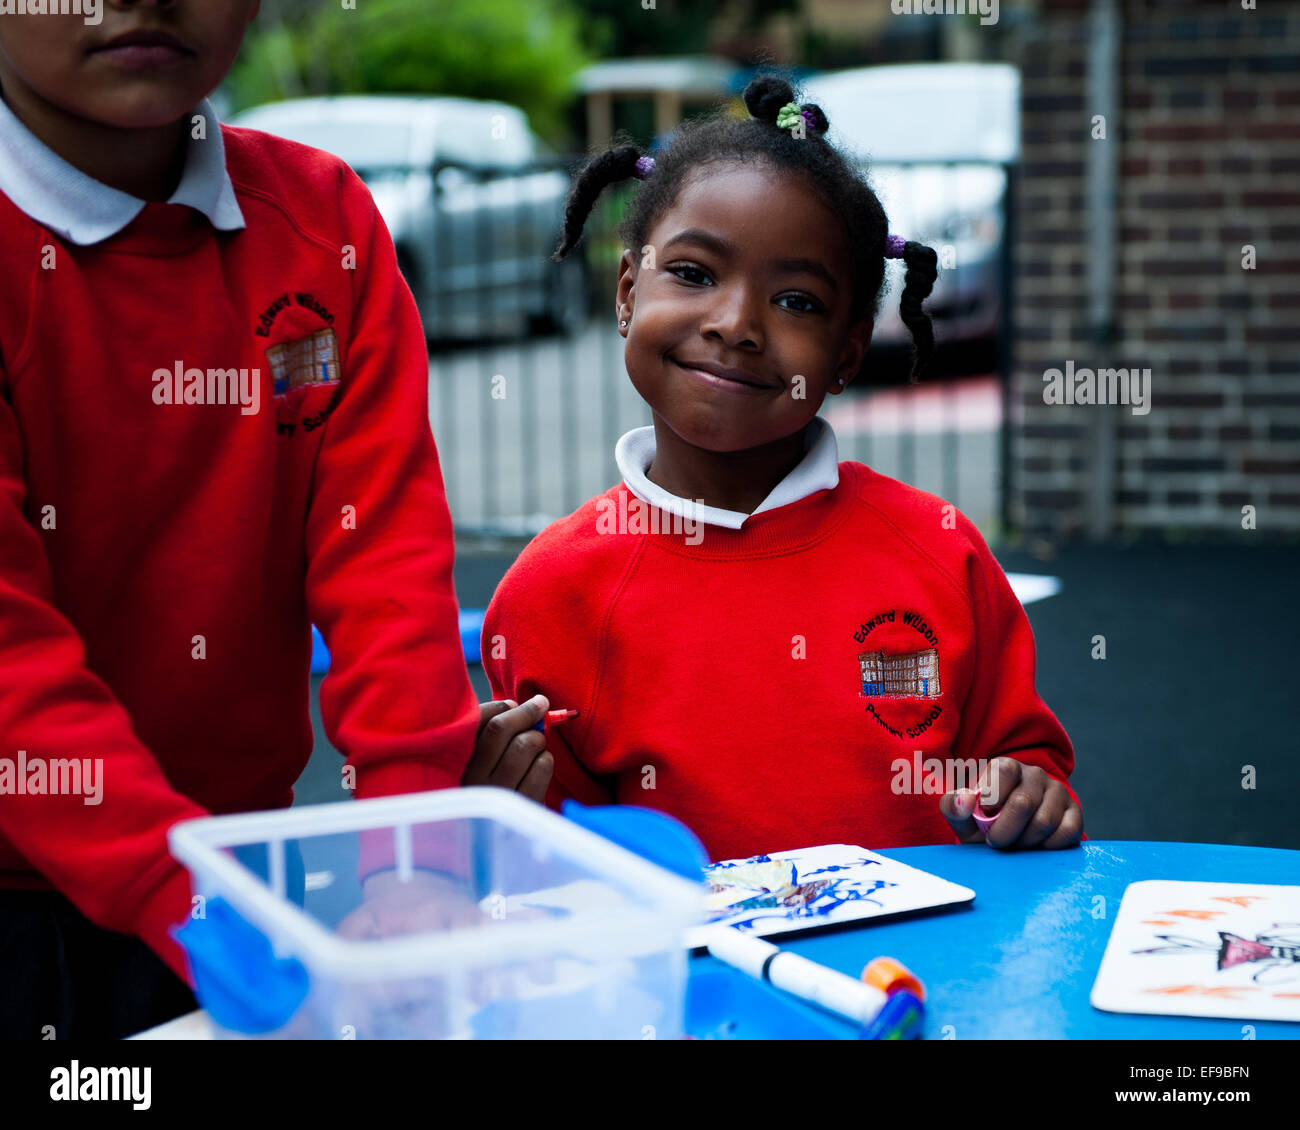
point(683, 269)
point(811, 305)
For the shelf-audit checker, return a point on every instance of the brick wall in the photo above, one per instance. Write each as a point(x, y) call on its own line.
point(1209, 161)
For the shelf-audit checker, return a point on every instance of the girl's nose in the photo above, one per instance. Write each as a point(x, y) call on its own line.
point(736, 317)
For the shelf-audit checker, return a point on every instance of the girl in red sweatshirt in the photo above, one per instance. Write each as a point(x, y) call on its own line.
point(775, 647)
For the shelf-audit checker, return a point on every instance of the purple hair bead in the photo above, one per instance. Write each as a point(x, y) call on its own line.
point(894, 246)
point(644, 167)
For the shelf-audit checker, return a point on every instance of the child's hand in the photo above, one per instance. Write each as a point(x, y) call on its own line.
point(508, 752)
point(1033, 809)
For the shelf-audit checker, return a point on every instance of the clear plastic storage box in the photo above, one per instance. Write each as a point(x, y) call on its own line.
point(484, 915)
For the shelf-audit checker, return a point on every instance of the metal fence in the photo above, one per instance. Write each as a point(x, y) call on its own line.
point(526, 420)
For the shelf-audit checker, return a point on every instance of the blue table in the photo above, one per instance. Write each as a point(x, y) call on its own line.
point(1019, 961)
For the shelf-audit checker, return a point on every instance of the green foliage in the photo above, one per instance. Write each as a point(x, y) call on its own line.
point(524, 52)
point(622, 28)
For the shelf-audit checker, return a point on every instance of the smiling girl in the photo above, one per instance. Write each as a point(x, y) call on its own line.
point(770, 682)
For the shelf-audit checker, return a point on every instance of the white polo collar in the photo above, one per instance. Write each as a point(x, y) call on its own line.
point(85, 211)
point(818, 470)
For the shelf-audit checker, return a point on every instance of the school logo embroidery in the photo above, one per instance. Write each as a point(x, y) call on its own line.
point(312, 360)
point(914, 675)
point(893, 673)
point(308, 360)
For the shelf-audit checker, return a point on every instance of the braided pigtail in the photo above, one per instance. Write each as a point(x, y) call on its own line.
point(922, 269)
point(597, 174)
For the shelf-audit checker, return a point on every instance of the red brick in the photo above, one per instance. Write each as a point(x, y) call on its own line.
point(1276, 399)
point(1268, 131)
point(1187, 131)
point(1175, 268)
point(1200, 331)
point(1191, 399)
point(1266, 335)
point(1271, 199)
point(1271, 466)
point(1200, 464)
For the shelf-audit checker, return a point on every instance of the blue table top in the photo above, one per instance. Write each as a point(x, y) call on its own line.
point(1019, 962)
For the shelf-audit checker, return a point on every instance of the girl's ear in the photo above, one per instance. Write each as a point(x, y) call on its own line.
point(623, 294)
point(855, 349)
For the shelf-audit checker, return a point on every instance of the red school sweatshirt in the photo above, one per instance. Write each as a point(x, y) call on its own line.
point(162, 554)
point(792, 683)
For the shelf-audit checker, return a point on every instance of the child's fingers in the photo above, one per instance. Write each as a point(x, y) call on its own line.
point(999, 779)
point(499, 729)
point(1014, 814)
point(499, 723)
point(1070, 830)
point(1045, 821)
point(517, 758)
point(489, 710)
point(957, 808)
point(538, 778)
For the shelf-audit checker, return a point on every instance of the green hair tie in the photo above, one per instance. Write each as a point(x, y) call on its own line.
point(789, 116)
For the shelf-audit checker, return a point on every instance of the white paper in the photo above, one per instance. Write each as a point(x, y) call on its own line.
point(819, 886)
point(1204, 949)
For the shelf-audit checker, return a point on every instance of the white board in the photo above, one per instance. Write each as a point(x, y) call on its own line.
point(818, 886)
point(1203, 949)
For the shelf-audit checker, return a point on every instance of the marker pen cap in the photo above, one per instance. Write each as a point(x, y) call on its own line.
point(890, 975)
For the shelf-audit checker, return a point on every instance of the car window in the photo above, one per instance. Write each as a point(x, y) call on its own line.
point(486, 138)
point(363, 143)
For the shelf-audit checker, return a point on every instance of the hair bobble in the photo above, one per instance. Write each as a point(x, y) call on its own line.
point(644, 167)
point(791, 114)
point(895, 246)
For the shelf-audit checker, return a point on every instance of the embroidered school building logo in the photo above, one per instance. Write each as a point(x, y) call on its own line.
point(311, 360)
point(895, 675)
point(912, 675)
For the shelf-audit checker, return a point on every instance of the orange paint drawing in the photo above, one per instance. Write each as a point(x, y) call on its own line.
point(1218, 992)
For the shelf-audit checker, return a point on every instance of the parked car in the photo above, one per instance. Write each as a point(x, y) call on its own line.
point(935, 140)
point(472, 197)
